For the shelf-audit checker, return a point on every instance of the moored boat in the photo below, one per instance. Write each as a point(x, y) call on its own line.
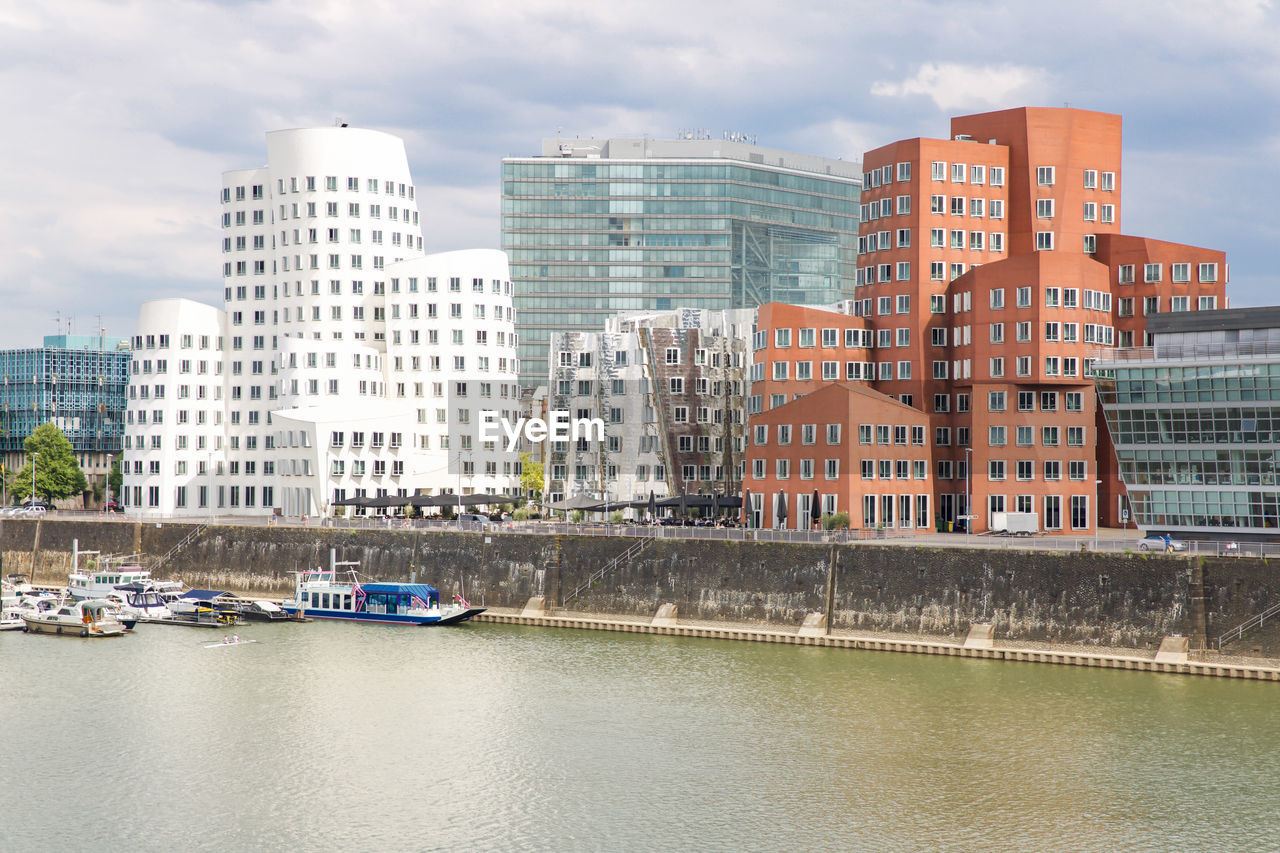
point(320, 594)
point(110, 573)
point(90, 618)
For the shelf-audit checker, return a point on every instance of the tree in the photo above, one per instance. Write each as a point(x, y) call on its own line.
point(57, 474)
point(115, 479)
point(531, 475)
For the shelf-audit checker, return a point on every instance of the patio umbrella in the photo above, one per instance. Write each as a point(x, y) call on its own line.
point(815, 514)
point(683, 508)
point(653, 506)
point(782, 509)
point(746, 509)
point(715, 506)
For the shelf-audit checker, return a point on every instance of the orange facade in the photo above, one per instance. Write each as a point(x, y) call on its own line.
point(861, 452)
point(990, 270)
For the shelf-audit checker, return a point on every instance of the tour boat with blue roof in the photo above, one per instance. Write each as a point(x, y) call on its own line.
point(322, 594)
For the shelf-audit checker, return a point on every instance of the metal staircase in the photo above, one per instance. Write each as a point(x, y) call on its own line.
point(173, 552)
point(1249, 625)
point(608, 568)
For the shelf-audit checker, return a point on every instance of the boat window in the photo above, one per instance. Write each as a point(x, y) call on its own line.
point(346, 602)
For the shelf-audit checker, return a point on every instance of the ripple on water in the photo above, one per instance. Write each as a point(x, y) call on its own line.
point(496, 737)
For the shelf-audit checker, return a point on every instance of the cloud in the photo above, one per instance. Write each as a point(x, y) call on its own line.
point(120, 117)
point(966, 87)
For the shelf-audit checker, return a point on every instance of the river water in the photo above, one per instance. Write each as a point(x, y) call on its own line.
point(491, 737)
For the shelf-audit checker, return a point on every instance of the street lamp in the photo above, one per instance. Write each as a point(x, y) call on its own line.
point(35, 454)
point(968, 492)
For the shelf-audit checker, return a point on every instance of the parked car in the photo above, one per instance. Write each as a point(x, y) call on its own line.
point(114, 506)
point(1155, 542)
point(38, 504)
point(476, 520)
point(35, 510)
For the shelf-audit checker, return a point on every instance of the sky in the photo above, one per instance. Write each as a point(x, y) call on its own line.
point(119, 117)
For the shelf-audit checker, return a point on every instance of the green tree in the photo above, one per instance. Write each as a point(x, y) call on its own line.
point(531, 475)
point(57, 474)
point(115, 479)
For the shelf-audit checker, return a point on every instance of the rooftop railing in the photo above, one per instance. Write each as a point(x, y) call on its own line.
point(1104, 356)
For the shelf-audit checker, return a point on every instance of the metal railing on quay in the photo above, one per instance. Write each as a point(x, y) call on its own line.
point(1110, 542)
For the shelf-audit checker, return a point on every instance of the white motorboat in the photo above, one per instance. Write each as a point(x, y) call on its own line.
point(146, 602)
point(10, 617)
point(91, 618)
point(111, 572)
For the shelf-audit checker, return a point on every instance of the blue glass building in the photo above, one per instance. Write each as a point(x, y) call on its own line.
point(79, 382)
point(597, 226)
point(1195, 420)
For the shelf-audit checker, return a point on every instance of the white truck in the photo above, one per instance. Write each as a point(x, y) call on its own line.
point(1015, 523)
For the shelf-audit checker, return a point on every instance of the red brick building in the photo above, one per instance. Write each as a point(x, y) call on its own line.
point(862, 452)
point(991, 268)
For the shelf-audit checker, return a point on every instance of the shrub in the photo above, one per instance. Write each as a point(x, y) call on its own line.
point(577, 516)
point(615, 517)
point(839, 521)
point(522, 514)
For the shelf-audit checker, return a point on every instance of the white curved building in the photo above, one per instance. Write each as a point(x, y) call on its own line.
point(346, 361)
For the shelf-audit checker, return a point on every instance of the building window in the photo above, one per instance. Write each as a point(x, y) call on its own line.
point(1044, 176)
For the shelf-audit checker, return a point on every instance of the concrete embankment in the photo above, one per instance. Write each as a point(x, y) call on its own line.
point(1176, 661)
point(1080, 599)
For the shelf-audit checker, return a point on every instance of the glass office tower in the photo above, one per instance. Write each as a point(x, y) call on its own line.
point(597, 226)
point(77, 382)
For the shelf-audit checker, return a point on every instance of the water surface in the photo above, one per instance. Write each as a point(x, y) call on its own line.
point(494, 737)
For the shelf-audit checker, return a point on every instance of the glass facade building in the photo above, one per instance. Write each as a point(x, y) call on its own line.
point(594, 227)
point(79, 383)
point(1195, 419)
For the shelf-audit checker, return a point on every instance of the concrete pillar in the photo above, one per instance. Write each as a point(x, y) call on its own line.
point(666, 615)
point(1197, 631)
point(981, 636)
point(814, 625)
point(831, 593)
point(1173, 650)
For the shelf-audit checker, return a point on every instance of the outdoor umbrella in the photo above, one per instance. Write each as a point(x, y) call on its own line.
point(746, 509)
point(683, 508)
point(815, 515)
point(653, 506)
point(782, 509)
point(715, 506)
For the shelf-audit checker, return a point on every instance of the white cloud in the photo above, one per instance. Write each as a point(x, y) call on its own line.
point(121, 116)
point(952, 86)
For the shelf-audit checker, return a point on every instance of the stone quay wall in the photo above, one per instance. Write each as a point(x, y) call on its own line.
point(1118, 600)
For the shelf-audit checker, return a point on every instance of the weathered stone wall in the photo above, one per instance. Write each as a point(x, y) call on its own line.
point(1108, 599)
